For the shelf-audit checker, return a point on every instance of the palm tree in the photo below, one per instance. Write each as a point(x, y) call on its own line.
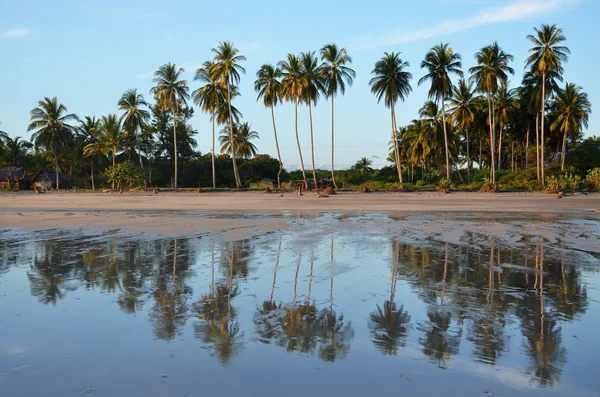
point(492, 68)
point(15, 149)
point(363, 165)
point(171, 92)
point(209, 98)
point(571, 110)
point(109, 139)
point(391, 83)
point(88, 132)
point(440, 62)
point(292, 86)
point(335, 77)
point(507, 103)
point(313, 86)
point(268, 86)
point(463, 106)
point(242, 135)
point(135, 116)
point(227, 70)
point(546, 56)
point(49, 121)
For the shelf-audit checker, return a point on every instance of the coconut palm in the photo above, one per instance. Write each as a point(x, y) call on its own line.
point(109, 139)
point(507, 104)
point(15, 150)
point(313, 86)
point(209, 98)
point(364, 165)
point(87, 133)
point(441, 61)
point(134, 116)
point(391, 83)
point(268, 86)
point(242, 135)
point(546, 56)
point(292, 86)
point(463, 106)
point(52, 131)
point(491, 70)
point(335, 77)
point(171, 92)
point(571, 111)
point(227, 70)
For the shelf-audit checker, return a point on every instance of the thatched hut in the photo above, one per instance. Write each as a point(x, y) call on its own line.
point(46, 180)
point(14, 178)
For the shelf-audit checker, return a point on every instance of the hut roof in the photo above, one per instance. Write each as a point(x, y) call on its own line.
point(51, 176)
point(14, 173)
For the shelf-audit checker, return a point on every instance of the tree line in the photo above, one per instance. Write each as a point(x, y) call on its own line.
point(469, 119)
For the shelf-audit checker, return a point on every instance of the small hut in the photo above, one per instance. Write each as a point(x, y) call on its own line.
point(46, 180)
point(262, 184)
point(14, 178)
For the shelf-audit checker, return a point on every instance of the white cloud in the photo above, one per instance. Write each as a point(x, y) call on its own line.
point(13, 34)
point(144, 76)
point(516, 11)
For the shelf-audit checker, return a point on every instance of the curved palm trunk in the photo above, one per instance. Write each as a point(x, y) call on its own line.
point(446, 139)
point(275, 272)
point(395, 140)
point(537, 145)
point(542, 165)
point(500, 150)
point(175, 146)
point(92, 174)
point(564, 152)
point(137, 142)
point(214, 177)
point(276, 146)
point(492, 151)
point(114, 151)
point(238, 182)
point(332, 146)
point(298, 142)
point(56, 168)
point(312, 147)
point(468, 157)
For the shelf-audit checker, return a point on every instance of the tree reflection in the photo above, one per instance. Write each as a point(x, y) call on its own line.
point(49, 272)
point(265, 319)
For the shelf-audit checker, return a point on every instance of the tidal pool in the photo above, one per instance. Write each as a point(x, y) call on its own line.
point(296, 314)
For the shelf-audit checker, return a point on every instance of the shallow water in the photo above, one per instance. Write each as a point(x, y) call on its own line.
point(296, 314)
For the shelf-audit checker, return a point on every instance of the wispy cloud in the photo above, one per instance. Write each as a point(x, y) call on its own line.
point(144, 76)
point(13, 34)
point(515, 11)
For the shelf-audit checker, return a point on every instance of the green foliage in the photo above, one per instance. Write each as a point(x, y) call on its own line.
point(522, 179)
point(421, 183)
point(585, 155)
point(488, 186)
point(125, 175)
point(593, 179)
point(565, 181)
point(375, 186)
point(445, 184)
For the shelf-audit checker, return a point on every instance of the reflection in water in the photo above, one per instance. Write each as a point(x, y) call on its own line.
point(492, 305)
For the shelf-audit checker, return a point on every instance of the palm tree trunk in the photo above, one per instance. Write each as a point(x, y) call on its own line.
point(56, 168)
point(564, 152)
point(214, 176)
point(513, 156)
point(446, 140)
point(480, 153)
point(468, 157)
point(500, 150)
point(298, 143)
point(527, 148)
point(395, 140)
point(332, 146)
point(137, 142)
point(537, 145)
point(92, 173)
point(114, 151)
point(175, 146)
point(238, 182)
point(492, 151)
point(312, 147)
point(277, 147)
point(543, 167)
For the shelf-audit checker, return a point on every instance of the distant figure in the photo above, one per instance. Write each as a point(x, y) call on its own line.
point(299, 190)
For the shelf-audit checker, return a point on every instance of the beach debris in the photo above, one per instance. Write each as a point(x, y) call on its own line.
point(559, 195)
point(365, 190)
point(329, 191)
point(268, 190)
point(406, 378)
point(155, 190)
point(121, 191)
point(319, 195)
point(199, 189)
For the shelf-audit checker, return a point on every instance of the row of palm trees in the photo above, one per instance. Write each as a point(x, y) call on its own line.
point(454, 108)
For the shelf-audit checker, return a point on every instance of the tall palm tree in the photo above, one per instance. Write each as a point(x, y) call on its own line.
point(491, 70)
point(171, 92)
point(391, 83)
point(15, 149)
point(209, 98)
point(134, 116)
point(546, 56)
point(242, 135)
point(109, 140)
point(88, 132)
point(52, 131)
point(507, 103)
point(463, 106)
point(292, 86)
point(313, 86)
point(268, 86)
point(227, 70)
point(571, 110)
point(335, 77)
point(441, 61)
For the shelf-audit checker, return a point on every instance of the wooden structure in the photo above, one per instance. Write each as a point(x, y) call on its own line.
point(46, 180)
point(14, 178)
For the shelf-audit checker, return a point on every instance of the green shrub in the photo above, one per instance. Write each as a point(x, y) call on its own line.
point(593, 179)
point(421, 183)
point(488, 186)
point(554, 184)
point(445, 184)
point(375, 186)
point(125, 175)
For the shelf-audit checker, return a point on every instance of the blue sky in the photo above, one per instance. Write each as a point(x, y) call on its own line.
point(89, 52)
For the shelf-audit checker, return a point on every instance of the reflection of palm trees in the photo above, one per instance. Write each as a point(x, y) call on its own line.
point(334, 336)
point(389, 325)
point(265, 326)
point(236, 253)
point(49, 272)
point(439, 344)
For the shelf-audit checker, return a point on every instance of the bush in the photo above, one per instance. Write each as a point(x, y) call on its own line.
point(488, 186)
point(445, 184)
point(374, 186)
point(593, 179)
point(125, 175)
point(525, 179)
point(566, 181)
point(421, 183)
point(554, 184)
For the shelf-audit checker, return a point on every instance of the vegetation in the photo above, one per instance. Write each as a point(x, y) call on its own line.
point(475, 132)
